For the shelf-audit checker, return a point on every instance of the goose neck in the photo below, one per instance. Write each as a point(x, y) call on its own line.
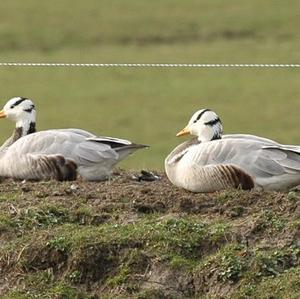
point(23, 129)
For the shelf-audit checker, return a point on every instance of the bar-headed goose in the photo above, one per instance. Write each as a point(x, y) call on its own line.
point(94, 155)
point(211, 162)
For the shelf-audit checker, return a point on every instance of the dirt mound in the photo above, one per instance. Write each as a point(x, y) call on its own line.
point(136, 239)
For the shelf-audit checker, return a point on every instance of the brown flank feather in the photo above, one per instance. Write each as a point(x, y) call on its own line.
point(237, 177)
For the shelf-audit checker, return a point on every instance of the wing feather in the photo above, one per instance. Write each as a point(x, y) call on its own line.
point(253, 156)
point(68, 143)
point(93, 152)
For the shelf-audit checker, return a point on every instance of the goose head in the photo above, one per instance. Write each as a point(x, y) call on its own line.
point(205, 124)
point(22, 112)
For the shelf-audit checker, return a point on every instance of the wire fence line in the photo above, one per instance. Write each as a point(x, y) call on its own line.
point(150, 65)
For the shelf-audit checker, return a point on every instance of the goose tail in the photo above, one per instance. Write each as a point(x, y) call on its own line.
point(127, 150)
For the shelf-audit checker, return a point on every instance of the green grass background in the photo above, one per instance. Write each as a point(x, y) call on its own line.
point(150, 105)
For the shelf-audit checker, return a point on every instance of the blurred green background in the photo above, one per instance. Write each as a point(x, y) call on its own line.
point(150, 105)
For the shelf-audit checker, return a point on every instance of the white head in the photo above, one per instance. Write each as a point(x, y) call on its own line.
point(205, 124)
point(19, 110)
point(22, 112)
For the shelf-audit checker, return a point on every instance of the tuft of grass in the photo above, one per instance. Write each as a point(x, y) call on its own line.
point(178, 235)
point(15, 196)
point(82, 215)
point(133, 262)
point(178, 262)
point(120, 278)
point(45, 216)
point(284, 285)
point(227, 195)
point(219, 230)
point(43, 285)
point(6, 223)
point(296, 224)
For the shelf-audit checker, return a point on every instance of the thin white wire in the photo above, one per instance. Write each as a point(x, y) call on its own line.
point(151, 65)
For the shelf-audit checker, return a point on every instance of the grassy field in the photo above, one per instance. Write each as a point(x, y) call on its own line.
point(150, 105)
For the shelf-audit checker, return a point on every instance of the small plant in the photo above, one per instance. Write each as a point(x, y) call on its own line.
point(232, 265)
point(275, 221)
point(44, 216)
point(271, 264)
point(292, 196)
point(75, 276)
point(60, 243)
point(231, 268)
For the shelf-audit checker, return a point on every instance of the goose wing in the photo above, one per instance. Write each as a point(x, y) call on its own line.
point(81, 146)
point(68, 143)
point(268, 143)
point(250, 137)
point(257, 158)
point(80, 132)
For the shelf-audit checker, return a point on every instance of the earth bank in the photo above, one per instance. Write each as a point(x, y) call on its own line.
point(127, 238)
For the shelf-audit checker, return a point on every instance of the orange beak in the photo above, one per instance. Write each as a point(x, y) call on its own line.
point(2, 114)
point(184, 131)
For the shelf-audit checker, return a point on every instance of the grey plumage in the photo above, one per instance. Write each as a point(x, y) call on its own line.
point(37, 167)
point(94, 155)
point(216, 164)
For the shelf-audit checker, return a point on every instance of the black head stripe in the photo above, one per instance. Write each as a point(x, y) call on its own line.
point(29, 110)
point(18, 102)
point(201, 113)
point(213, 122)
